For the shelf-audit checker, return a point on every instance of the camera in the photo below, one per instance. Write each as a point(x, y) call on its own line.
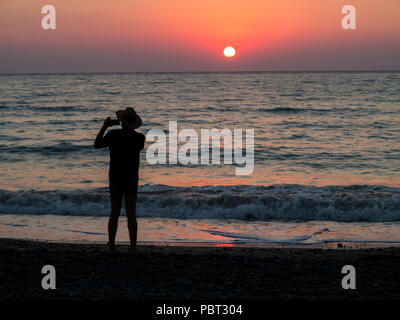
point(115, 122)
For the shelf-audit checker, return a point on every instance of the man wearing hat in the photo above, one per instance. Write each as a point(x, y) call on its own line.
point(125, 145)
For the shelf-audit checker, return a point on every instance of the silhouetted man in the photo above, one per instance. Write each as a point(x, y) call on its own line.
point(125, 145)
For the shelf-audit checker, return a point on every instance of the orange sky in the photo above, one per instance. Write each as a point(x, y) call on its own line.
point(182, 35)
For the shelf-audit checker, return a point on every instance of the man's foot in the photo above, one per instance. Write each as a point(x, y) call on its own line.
point(111, 247)
point(133, 250)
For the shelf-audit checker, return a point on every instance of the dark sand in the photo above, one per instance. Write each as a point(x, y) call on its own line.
point(155, 272)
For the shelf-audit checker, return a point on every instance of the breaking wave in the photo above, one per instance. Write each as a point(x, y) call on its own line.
point(276, 202)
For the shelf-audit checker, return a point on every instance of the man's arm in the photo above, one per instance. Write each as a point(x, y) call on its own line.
point(143, 138)
point(99, 142)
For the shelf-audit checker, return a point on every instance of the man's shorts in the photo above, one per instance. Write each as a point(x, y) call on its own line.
point(124, 186)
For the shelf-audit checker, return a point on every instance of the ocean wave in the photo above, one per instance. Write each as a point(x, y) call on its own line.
point(60, 148)
point(292, 110)
point(277, 202)
point(58, 108)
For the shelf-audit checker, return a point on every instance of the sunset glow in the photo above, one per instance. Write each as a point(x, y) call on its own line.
point(177, 35)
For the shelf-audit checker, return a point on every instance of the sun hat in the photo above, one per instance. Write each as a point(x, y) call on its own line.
point(129, 118)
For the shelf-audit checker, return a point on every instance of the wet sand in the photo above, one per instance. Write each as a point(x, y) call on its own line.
point(88, 271)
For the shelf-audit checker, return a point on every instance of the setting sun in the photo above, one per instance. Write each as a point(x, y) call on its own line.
point(229, 52)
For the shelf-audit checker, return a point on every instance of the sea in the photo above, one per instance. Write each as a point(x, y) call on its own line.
point(326, 158)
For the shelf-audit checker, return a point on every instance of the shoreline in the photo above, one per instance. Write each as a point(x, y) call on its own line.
point(327, 245)
point(89, 271)
point(204, 232)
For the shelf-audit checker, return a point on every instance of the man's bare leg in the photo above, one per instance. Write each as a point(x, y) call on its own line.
point(130, 207)
point(116, 202)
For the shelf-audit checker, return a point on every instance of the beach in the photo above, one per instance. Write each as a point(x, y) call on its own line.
point(89, 271)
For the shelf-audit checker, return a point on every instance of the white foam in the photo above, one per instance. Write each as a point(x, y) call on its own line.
point(280, 202)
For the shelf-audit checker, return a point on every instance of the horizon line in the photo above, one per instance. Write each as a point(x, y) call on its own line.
point(233, 71)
